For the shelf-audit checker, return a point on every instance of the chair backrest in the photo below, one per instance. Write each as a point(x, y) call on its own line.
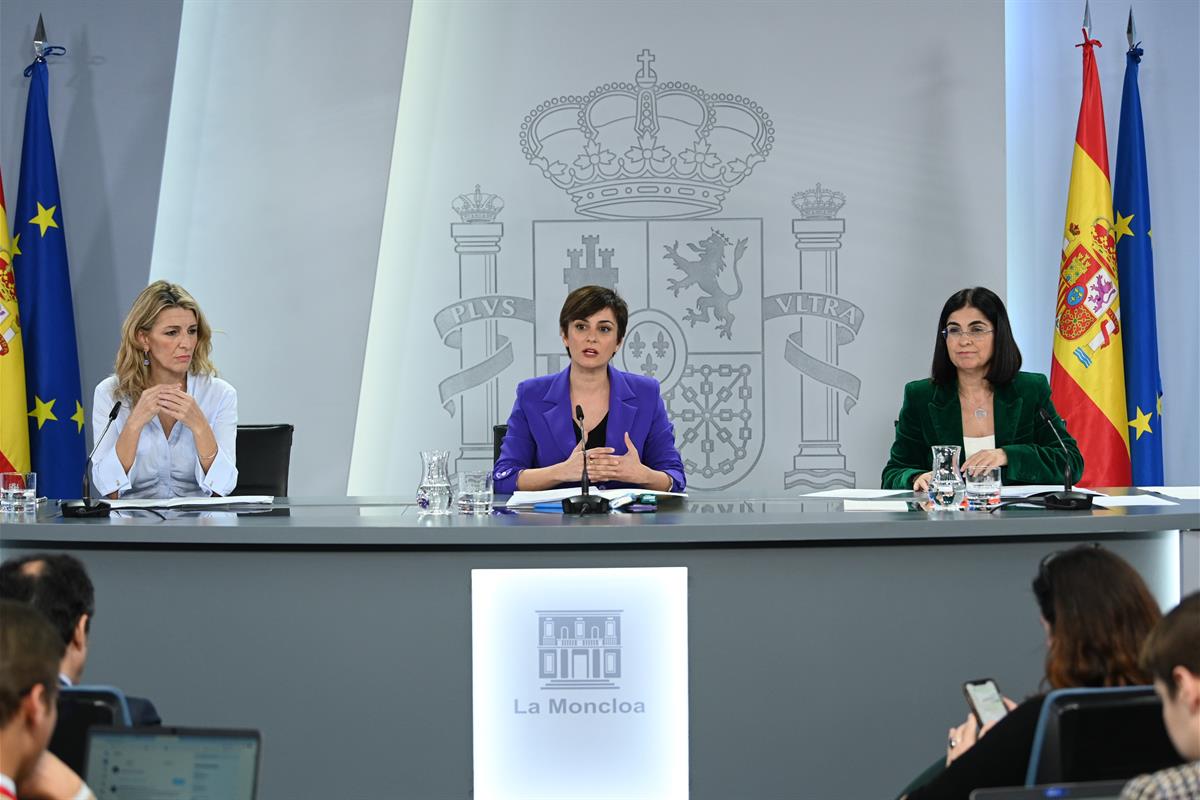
point(498, 432)
point(264, 455)
point(1099, 734)
point(79, 708)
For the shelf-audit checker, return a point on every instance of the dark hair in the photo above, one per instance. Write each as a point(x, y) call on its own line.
point(56, 584)
point(587, 300)
point(1174, 642)
point(1006, 356)
point(30, 652)
point(1099, 611)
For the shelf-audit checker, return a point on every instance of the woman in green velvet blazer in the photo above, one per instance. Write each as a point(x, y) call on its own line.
point(978, 398)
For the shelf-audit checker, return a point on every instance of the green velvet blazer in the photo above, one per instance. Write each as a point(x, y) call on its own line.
point(932, 415)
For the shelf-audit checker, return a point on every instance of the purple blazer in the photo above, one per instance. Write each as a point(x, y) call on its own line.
point(541, 431)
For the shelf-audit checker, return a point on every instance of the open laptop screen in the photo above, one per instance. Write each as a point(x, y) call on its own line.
point(1098, 790)
point(172, 763)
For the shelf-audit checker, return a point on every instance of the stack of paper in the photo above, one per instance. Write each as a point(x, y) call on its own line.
point(189, 502)
point(531, 499)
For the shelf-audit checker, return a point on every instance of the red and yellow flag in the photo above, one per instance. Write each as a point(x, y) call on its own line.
point(14, 428)
point(1087, 373)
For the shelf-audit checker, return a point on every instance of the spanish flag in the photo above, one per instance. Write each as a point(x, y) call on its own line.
point(14, 433)
point(1087, 373)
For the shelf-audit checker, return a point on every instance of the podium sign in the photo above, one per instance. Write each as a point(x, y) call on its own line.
point(580, 683)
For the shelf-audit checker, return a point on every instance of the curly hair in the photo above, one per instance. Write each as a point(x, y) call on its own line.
point(132, 376)
point(1099, 612)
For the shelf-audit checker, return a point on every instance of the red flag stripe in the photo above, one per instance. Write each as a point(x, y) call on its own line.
point(1090, 134)
point(1103, 451)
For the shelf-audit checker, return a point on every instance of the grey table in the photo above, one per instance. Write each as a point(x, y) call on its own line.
point(827, 648)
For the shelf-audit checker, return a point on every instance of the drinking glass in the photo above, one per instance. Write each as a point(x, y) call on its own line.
point(433, 493)
point(475, 492)
point(18, 492)
point(983, 489)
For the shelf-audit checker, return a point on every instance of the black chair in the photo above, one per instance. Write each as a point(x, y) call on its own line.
point(498, 432)
point(264, 453)
point(79, 708)
point(1099, 735)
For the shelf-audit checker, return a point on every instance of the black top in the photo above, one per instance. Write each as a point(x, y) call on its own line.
point(597, 436)
point(1001, 758)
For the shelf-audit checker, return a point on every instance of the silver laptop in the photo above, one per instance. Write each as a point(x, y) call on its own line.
point(1095, 790)
point(172, 763)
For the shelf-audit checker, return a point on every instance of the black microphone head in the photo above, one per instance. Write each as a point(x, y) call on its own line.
point(579, 413)
point(116, 409)
point(1044, 414)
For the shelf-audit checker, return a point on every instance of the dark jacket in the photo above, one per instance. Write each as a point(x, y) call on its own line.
point(932, 415)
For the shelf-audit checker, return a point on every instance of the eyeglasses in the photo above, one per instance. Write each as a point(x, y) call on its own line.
point(970, 334)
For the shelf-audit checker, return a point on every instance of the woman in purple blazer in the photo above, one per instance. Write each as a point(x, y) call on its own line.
point(630, 441)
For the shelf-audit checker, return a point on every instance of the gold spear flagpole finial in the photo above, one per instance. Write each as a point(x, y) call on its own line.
point(39, 39)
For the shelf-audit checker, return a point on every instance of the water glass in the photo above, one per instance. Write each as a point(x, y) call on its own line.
point(983, 489)
point(18, 492)
point(474, 492)
point(433, 493)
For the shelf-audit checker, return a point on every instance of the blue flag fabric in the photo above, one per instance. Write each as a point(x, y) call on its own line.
point(1135, 274)
point(56, 417)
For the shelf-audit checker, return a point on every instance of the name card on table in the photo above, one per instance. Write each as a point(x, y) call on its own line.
point(580, 683)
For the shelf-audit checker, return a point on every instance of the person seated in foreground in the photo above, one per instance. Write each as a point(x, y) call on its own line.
point(30, 651)
point(977, 398)
point(1096, 611)
point(58, 586)
point(629, 439)
point(1171, 655)
point(175, 433)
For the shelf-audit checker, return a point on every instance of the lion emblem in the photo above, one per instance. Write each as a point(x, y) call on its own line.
point(705, 273)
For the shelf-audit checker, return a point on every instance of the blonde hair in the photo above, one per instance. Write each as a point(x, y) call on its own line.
point(133, 377)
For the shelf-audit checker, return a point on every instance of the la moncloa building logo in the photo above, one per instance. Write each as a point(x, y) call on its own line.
point(579, 649)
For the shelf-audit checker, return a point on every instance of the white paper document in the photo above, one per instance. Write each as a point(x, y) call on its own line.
point(1026, 491)
point(529, 499)
point(874, 505)
point(1178, 492)
point(177, 502)
point(1132, 500)
point(858, 494)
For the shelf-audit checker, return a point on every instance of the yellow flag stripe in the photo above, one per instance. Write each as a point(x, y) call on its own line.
point(1090, 198)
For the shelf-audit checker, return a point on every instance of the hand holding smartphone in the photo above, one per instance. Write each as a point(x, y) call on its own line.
point(985, 700)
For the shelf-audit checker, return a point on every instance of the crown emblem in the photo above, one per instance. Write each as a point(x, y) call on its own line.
point(818, 203)
point(647, 149)
point(477, 206)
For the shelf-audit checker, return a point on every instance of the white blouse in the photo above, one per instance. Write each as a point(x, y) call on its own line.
point(167, 466)
point(973, 444)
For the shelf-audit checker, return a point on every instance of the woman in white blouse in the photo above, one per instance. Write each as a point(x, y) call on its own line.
point(175, 432)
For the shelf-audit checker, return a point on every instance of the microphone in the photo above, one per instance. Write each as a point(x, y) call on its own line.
point(87, 507)
point(584, 503)
point(1067, 499)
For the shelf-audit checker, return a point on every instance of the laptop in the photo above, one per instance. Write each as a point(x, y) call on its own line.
point(172, 763)
point(1094, 790)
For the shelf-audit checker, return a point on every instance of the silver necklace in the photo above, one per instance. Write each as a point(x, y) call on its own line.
point(980, 411)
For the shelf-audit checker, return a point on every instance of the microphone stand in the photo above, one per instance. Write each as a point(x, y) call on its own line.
point(584, 503)
point(1067, 499)
point(88, 507)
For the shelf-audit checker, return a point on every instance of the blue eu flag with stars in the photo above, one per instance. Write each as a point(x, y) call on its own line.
point(55, 409)
point(1135, 273)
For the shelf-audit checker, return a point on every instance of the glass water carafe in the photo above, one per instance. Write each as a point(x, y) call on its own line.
point(946, 487)
point(433, 494)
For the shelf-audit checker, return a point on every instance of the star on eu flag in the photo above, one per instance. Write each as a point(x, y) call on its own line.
point(1141, 422)
point(44, 218)
point(16, 245)
point(1122, 227)
point(77, 417)
point(42, 411)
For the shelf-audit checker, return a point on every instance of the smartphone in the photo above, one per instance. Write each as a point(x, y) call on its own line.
point(985, 700)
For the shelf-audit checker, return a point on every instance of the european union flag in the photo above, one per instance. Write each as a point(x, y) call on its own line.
point(1135, 273)
point(44, 297)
